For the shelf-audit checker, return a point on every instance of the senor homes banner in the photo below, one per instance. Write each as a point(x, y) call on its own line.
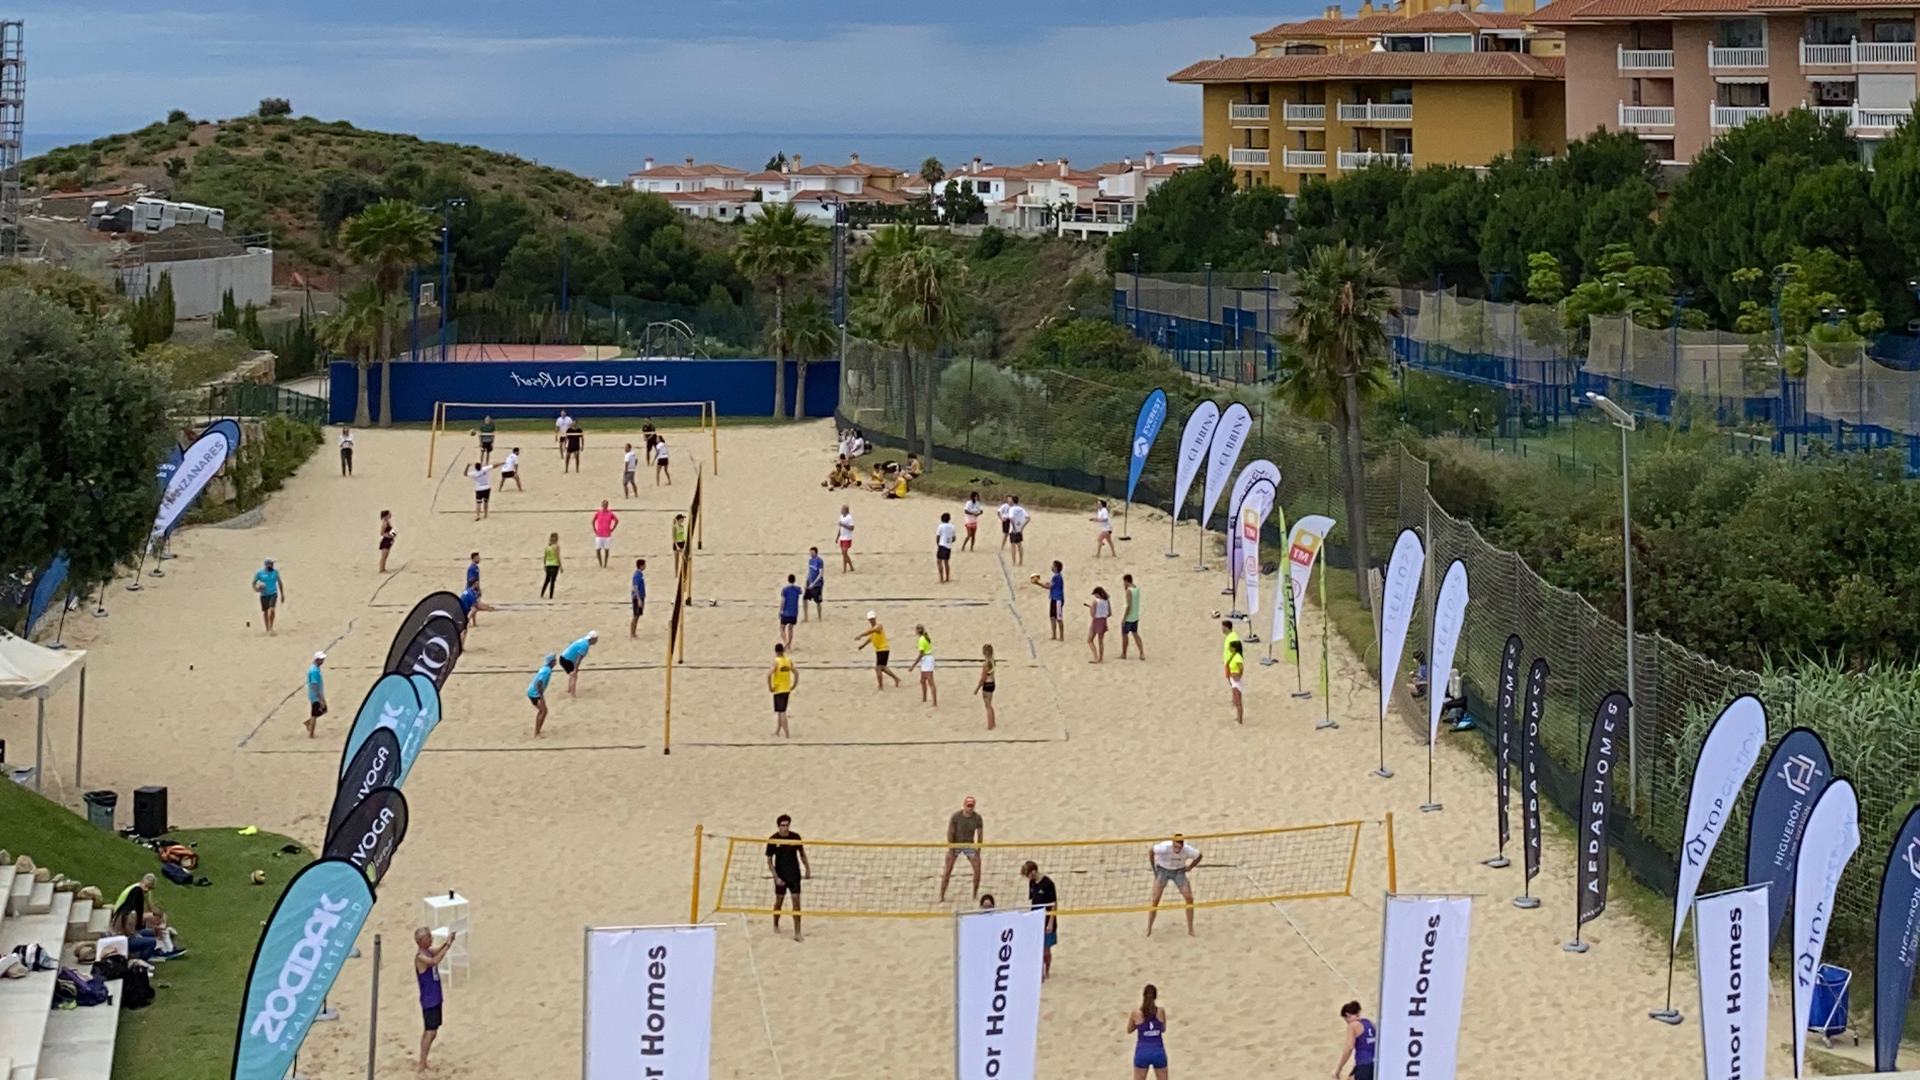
point(996, 1019)
point(308, 937)
point(649, 1003)
point(1423, 985)
point(1730, 946)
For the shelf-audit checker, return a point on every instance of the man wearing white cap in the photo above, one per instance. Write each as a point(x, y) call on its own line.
point(316, 692)
point(876, 635)
point(575, 655)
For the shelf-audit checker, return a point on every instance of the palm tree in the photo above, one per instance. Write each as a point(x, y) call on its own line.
point(1335, 356)
point(354, 331)
point(920, 307)
point(890, 243)
point(389, 237)
point(808, 334)
point(776, 246)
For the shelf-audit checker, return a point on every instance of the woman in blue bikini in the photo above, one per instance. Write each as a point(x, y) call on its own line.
point(1149, 1022)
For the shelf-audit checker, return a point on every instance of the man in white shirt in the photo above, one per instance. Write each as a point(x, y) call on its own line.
point(561, 426)
point(1006, 519)
point(660, 461)
point(943, 547)
point(1017, 523)
point(346, 451)
point(1171, 860)
point(510, 470)
point(846, 539)
point(482, 489)
point(627, 466)
point(972, 510)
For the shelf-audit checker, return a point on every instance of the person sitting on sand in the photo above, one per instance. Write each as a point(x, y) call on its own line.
point(878, 481)
point(913, 465)
point(899, 488)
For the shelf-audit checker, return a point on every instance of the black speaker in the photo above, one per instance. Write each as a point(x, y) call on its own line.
point(150, 811)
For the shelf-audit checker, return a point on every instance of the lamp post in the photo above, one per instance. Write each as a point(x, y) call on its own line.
point(1133, 295)
point(1625, 421)
point(446, 267)
point(1207, 327)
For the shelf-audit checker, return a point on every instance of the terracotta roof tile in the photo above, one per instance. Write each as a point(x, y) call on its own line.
point(1429, 22)
point(1564, 12)
point(767, 177)
point(1190, 148)
point(1377, 65)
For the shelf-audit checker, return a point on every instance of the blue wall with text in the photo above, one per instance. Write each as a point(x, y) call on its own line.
point(737, 387)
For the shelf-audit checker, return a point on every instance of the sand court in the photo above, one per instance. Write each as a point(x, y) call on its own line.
point(592, 824)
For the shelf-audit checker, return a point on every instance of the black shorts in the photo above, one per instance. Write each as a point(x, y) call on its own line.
point(486, 442)
point(1018, 536)
point(783, 886)
point(567, 665)
point(639, 607)
point(789, 620)
point(1129, 627)
point(431, 1015)
point(483, 495)
point(268, 600)
point(942, 553)
point(780, 701)
point(1363, 1072)
point(316, 709)
point(1005, 526)
point(813, 593)
point(386, 543)
point(880, 657)
point(509, 474)
point(986, 688)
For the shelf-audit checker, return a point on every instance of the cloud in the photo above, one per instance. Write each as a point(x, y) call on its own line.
point(874, 78)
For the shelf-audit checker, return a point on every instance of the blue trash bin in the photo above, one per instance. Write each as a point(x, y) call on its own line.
point(1828, 1016)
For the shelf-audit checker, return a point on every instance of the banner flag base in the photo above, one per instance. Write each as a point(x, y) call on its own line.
point(1268, 661)
point(134, 586)
point(156, 572)
point(1126, 538)
point(1251, 638)
point(1428, 808)
point(1498, 862)
point(99, 613)
point(1173, 554)
point(1382, 772)
point(1666, 1016)
point(1574, 946)
point(165, 555)
point(1326, 723)
point(1302, 695)
point(1526, 903)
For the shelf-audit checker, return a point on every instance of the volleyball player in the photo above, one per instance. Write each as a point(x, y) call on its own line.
point(876, 635)
point(781, 681)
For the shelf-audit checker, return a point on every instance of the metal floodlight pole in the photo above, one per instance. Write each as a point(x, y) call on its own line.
point(446, 268)
point(1626, 422)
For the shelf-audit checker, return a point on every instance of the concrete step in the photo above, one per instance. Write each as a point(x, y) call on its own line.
point(19, 893)
point(98, 923)
point(40, 900)
point(77, 919)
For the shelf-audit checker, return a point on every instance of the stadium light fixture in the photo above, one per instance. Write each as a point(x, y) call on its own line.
point(1626, 422)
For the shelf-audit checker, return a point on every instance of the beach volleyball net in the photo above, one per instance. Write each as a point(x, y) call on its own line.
point(605, 424)
point(1092, 877)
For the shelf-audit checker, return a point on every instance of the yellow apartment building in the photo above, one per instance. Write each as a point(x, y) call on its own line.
point(1419, 84)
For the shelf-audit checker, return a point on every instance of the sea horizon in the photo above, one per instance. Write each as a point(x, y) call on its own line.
point(611, 156)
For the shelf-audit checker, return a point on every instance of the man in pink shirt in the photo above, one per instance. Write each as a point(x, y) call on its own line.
point(604, 522)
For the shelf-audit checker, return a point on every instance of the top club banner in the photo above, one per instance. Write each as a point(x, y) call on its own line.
point(996, 1020)
point(649, 1003)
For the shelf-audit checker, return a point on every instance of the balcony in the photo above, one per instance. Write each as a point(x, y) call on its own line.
point(1240, 113)
point(1375, 113)
point(1304, 159)
point(1644, 59)
point(1856, 53)
point(1304, 114)
point(1718, 57)
point(1636, 117)
point(1861, 118)
point(1729, 116)
point(1244, 155)
point(1360, 159)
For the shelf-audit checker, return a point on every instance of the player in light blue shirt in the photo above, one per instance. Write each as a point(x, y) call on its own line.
point(575, 655)
point(266, 582)
point(316, 692)
point(537, 693)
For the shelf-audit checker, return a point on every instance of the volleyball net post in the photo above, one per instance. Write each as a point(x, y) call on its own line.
point(901, 880)
point(706, 412)
point(693, 904)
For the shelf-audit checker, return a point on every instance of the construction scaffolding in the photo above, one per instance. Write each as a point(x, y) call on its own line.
point(13, 119)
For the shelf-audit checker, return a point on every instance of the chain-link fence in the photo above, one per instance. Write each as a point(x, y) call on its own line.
point(1065, 429)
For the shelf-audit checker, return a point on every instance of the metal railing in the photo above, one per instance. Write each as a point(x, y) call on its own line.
point(1861, 117)
point(1727, 116)
point(1241, 112)
point(1360, 159)
point(1245, 155)
point(1856, 52)
point(1736, 57)
point(1644, 59)
point(1304, 159)
point(1371, 112)
point(1297, 113)
point(1639, 116)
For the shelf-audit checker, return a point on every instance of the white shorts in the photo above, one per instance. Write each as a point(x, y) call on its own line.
point(926, 663)
point(603, 543)
point(1234, 682)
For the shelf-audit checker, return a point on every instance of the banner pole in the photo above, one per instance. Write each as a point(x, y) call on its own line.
point(693, 905)
point(666, 734)
point(1173, 531)
point(956, 996)
point(586, 1010)
point(134, 585)
point(1393, 873)
point(1429, 806)
point(373, 1010)
point(1126, 516)
point(1668, 1015)
point(713, 434)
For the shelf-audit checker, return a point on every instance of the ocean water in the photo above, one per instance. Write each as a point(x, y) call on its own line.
point(612, 157)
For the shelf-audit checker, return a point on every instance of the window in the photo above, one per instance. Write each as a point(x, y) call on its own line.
point(1740, 33)
point(1833, 92)
point(1400, 95)
point(1406, 43)
point(1743, 95)
point(1493, 43)
point(1890, 32)
point(1834, 28)
point(1399, 143)
point(1450, 43)
point(1293, 49)
point(1526, 102)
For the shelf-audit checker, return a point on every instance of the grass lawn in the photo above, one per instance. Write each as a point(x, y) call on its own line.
point(187, 1034)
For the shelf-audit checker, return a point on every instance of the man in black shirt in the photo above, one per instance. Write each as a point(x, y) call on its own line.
point(1040, 895)
point(787, 859)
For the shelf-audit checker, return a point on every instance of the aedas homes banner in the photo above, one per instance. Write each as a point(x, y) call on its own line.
point(305, 941)
point(1503, 740)
point(1604, 738)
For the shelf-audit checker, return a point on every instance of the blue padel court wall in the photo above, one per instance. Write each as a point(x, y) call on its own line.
point(737, 387)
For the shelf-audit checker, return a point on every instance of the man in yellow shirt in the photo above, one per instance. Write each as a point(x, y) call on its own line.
point(1228, 640)
point(781, 680)
point(876, 635)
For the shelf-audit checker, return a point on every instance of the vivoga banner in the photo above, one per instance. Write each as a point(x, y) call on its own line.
point(996, 1019)
point(1897, 943)
point(1228, 438)
point(1449, 612)
point(1596, 802)
point(649, 1003)
point(428, 642)
point(375, 765)
point(1423, 985)
point(1254, 474)
point(1726, 757)
point(1832, 836)
point(371, 833)
point(1730, 947)
point(305, 941)
point(1396, 609)
point(1797, 772)
point(1195, 439)
point(1146, 428)
point(198, 464)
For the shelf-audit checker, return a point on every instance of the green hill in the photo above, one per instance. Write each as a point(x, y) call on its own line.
point(188, 1032)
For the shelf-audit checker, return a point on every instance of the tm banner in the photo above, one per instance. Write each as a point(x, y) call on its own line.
point(649, 1003)
point(996, 993)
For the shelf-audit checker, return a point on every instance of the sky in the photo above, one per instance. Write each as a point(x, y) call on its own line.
point(582, 66)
